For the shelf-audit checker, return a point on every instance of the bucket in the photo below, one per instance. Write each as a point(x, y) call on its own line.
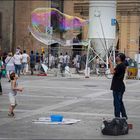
point(56, 118)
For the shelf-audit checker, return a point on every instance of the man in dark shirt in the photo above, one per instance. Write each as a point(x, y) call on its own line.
point(32, 62)
point(118, 85)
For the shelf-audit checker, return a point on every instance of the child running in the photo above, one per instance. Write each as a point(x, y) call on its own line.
point(12, 94)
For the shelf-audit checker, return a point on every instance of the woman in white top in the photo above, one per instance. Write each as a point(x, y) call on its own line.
point(10, 67)
point(25, 60)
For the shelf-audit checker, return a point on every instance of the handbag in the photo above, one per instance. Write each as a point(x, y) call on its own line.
point(8, 61)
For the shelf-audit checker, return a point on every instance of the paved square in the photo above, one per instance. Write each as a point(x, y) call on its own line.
point(89, 100)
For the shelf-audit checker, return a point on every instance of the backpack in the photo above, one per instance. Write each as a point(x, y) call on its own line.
point(115, 127)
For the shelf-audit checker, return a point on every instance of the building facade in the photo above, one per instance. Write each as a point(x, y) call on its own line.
point(6, 19)
point(15, 17)
point(128, 16)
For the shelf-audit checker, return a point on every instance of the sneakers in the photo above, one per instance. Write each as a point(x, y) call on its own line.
point(11, 114)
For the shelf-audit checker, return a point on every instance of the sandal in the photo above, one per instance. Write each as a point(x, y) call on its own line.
point(11, 114)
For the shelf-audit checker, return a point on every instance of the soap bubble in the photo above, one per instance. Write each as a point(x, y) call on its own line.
point(45, 22)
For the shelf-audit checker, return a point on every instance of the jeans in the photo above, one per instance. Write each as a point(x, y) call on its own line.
point(119, 108)
point(32, 66)
point(17, 69)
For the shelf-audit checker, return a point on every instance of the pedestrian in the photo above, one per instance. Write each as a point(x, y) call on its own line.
point(32, 62)
point(66, 59)
point(25, 61)
point(83, 61)
point(17, 61)
point(10, 67)
point(97, 65)
point(56, 61)
point(61, 63)
point(51, 61)
point(4, 57)
point(78, 60)
point(118, 86)
point(1, 67)
point(18, 50)
point(42, 58)
point(12, 94)
point(37, 64)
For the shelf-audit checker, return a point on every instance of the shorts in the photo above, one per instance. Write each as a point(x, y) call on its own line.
point(24, 65)
point(12, 99)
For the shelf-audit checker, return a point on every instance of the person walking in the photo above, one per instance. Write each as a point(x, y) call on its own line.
point(1, 67)
point(78, 60)
point(25, 61)
point(66, 59)
point(10, 67)
point(32, 62)
point(61, 63)
point(97, 62)
point(37, 63)
point(118, 86)
point(17, 61)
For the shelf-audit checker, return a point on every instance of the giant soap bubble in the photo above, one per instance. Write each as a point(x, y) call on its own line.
point(43, 19)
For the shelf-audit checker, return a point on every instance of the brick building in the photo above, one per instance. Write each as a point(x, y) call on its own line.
point(15, 17)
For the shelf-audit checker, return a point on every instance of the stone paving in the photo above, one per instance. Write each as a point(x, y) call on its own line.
point(89, 100)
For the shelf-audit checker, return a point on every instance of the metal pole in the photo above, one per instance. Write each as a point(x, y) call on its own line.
point(48, 56)
point(87, 62)
point(107, 55)
point(50, 38)
point(114, 55)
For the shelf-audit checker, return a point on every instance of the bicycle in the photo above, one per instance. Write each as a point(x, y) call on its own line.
point(104, 72)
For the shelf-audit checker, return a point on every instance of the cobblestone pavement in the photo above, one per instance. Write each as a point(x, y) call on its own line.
point(89, 100)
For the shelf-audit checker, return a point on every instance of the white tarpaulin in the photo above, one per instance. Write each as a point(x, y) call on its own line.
point(45, 68)
point(47, 120)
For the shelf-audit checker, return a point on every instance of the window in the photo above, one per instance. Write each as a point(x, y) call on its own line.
point(58, 4)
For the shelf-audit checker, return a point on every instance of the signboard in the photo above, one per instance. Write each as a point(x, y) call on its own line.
point(113, 22)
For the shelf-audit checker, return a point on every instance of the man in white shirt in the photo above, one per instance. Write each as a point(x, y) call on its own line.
point(17, 61)
point(61, 63)
point(25, 60)
point(61, 58)
point(66, 59)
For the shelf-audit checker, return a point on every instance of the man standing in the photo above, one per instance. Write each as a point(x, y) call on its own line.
point(66, 59)
point(61, 63)
point(78, 61)
point(1, 67)
point(118, 85)
point(32, 62)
